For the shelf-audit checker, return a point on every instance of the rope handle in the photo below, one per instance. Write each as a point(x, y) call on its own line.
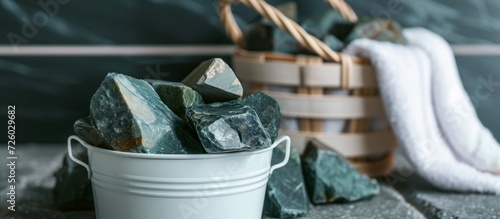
point(305, 39)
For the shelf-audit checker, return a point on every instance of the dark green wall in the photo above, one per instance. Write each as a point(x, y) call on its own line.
point(51, 92)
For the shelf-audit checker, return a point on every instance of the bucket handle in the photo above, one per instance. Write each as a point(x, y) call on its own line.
point(73, 158)
point(287, 153)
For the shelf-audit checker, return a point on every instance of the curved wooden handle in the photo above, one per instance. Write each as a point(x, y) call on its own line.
point(305, 39)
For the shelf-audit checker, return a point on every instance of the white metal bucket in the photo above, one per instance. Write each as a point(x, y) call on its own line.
point(179, 186)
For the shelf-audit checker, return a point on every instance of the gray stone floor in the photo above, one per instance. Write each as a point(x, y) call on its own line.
point(409, 197)
point(389, 204)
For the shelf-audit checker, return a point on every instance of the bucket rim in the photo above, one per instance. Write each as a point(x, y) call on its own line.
point(175, 156)
point(282, 139)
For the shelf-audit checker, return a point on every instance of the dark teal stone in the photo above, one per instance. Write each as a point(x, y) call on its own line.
point(268, 110)
point(286, 195)
point(132, 118)
point(265, 36)
point(73, 189)
point(259, 37)
point(320, 25)
point(227, 128)
point(342, 30)
point(86, 130)
point(377, 29)
point(333, 42)
point(177, 96)
point(215, 81)
point(283, 42)
point(331, 179)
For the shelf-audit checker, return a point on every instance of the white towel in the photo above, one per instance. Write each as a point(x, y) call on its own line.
point(430, 112)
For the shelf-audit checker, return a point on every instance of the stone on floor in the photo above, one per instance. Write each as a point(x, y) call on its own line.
point(388, 205)
point(332, 179)
point(286, 195)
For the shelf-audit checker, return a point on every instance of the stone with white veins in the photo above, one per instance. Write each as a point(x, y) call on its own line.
point(268, 110)
point(227, 128)
point(286, 195)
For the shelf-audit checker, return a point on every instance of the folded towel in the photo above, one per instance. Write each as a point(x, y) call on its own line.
point(431, 114)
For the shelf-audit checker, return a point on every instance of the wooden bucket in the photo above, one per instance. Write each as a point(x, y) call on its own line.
point(303, 85)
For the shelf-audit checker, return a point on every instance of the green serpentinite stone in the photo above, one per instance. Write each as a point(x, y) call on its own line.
point(259, 37)
point(86, 130)
point(342, 30)
point(131, 117)
point(333, 42)
point(266, 107)
point(227, 128)
point(73, 189)
point(286, 195)
point(283, 42)
point(177, 96)
point(331, 179)
point(320, 25)
point(215, 81)
point(265, 36)
point(268, 110)
point(377, 29)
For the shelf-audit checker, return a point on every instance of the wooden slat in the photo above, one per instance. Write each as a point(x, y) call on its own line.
point(289, 57)
point(305, 124)
point(328, 75)
point(328, 106)
point(317, 124)
point(346, 144)
point(272, 73)
point(376, 168)
point(288, 73)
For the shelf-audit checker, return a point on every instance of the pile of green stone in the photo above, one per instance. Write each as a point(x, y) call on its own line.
point(321, 176)
point(329, 27)
point(203, 114)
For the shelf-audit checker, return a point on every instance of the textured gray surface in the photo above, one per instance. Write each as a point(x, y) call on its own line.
point(37, 164)
point(389, 204)
point(434, 203)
